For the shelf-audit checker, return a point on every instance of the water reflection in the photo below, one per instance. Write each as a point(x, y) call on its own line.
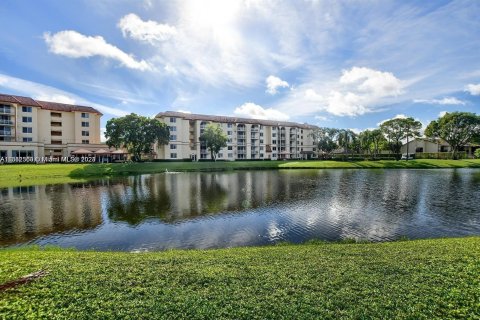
point(205, 210)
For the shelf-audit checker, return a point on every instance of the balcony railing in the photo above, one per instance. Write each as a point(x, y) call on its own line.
point(6, 122)
point(5, 111)
point(6, 133)
point(240, 128)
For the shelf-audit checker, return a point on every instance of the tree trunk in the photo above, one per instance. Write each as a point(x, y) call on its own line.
point(407, 147)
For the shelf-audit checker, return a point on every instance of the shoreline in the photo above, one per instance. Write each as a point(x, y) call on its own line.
point(17, 175)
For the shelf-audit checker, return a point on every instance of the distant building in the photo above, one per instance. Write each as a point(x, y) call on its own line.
point(34, 128)
point(247, 138)
point(429, 145)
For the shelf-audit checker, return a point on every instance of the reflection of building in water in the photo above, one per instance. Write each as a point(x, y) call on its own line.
point(27, 212)
point(173, 197)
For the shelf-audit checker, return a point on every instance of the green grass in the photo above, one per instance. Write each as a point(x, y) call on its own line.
point(426, 279)
point(30, 174)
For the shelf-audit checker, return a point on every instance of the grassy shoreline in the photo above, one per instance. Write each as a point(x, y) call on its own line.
point(31, 174)
point(419, 279)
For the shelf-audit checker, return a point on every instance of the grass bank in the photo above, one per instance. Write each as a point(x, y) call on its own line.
point(426, 279)
point(30, 174)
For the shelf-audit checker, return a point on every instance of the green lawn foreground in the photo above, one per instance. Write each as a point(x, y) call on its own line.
point(422, 279)
point(31, 174)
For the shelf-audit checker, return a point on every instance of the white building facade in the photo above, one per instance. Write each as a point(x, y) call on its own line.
point(252, 139)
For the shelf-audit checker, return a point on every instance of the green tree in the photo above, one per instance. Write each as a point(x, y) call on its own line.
point(214, 139)
point(137, 134)
point(393, 130)
point(456, 128)
point(324, 139)
point(378, 141)
point(411, 129)
point(477, 153)
point(346, 139)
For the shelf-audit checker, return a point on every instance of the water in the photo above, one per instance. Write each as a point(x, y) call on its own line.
point(245, 208)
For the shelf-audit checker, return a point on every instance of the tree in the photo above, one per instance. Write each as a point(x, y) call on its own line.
point(136, 133)
point(346, 139)
point(378, 141)
point(393, 130)
point(411, 129)
point(214, 138)
point(477, 153)
point(324, 138)
point(456, 128)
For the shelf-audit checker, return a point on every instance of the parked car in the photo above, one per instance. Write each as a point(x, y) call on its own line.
point(409, 156)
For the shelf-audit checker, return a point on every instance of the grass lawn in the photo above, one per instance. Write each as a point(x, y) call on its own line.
point(425, 279)
point(31, 174)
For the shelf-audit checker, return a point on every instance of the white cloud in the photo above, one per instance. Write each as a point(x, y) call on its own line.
point(444, 101)
point(60, 98)
point(102, 134)
point(44, 92)
point(151, 31)
point(75, 45)
point(311, 95)
point(252, 110)
point(473, 89)
point(398, 116)
point(273, 83)
point(442, 113)
point(321, 118)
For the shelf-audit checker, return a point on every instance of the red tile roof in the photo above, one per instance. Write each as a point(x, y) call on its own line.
point(54, 106)
point(225, 119)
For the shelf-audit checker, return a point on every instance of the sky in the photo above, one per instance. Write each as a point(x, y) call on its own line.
point(344, 64)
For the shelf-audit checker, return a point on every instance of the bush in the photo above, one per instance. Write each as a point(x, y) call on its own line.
point(477, 153)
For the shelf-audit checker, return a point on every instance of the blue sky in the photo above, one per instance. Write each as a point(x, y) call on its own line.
point(349, 64)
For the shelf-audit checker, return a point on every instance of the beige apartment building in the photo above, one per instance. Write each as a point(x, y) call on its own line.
point(247, 138)
point(33, 128)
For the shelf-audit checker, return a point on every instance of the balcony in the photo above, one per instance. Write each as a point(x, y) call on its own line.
point(255, 130)
point(5, 111)
point(6, 122)
point(6, 133)
point(241, 129)
point(240, 143)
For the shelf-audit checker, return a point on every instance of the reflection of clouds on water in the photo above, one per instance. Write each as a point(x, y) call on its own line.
point(208, 210)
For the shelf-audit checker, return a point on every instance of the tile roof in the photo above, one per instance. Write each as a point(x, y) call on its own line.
point(225, 119)
point(54, 106)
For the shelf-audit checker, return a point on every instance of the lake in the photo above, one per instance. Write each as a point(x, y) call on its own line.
point(242, 208)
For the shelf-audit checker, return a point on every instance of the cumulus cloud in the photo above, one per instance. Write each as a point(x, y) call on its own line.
point(273, 83)
point(360, 89)
point(473, 89)
point(254, 111)
point(398, 116)
point(72, 44)
point(444, 101)
point(311, 95)
point(150, 31)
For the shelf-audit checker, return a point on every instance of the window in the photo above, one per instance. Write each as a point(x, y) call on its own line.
point(55, 124)
point(173, 120)
point(220, 155)
point(85, 124)
point(274, 135)
point(274, 141)
point(261, 155)
point(86, 141)
point(261, 140)
point(261, 134)
point(172, 128)
point(230, 148)
point(274, 148)
point(27, 129)
point(26, 109)
point(27, 139)
point(230, 155)
point(22, 153)
point(229, 140)
point(229, 133)
point(85, 133)
point(56, 142)
point(173, 146)
point(229, 125)
point(173, 137)
point(85, 115)
point(261, 148)
point(173, 155)
point(55, 114)
point(55, 133)
point(3, 153)
point(26, 119)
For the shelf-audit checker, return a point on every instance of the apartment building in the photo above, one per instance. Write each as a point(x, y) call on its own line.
point(247, 138)
point(33, 128)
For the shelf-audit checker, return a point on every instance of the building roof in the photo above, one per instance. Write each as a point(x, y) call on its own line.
point(225, 119)
point(54, 106)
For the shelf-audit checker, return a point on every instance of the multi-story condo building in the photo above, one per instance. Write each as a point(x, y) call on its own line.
point(33, 128)
point(247, 138)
